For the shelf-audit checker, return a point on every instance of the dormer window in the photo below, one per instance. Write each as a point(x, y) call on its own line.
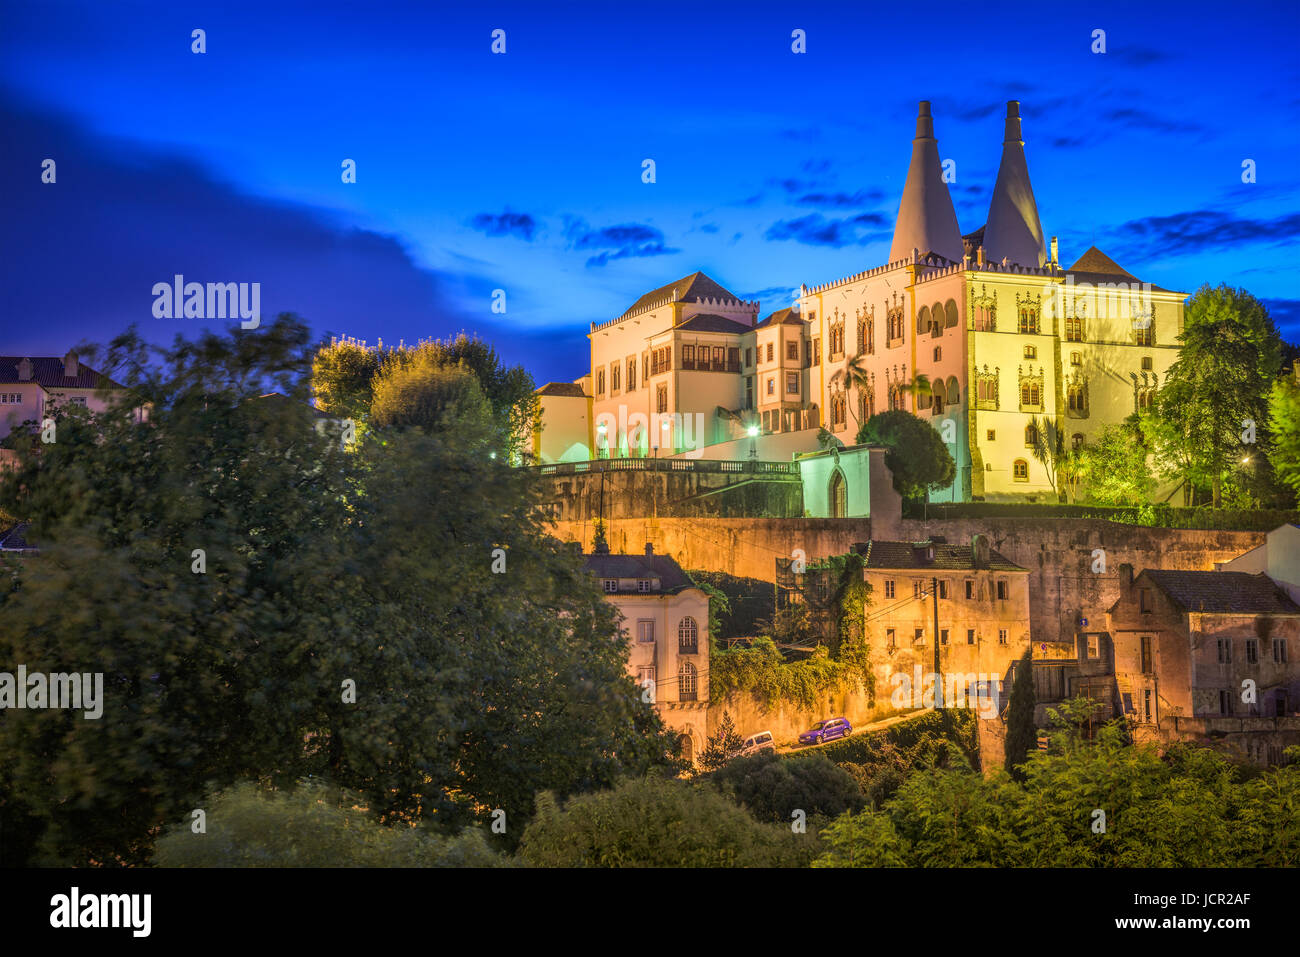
point(611, 585)
point(643, 585)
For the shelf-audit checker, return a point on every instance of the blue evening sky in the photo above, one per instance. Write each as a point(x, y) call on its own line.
point(522, 171)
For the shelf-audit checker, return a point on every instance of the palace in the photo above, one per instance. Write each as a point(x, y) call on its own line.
point(983, 335)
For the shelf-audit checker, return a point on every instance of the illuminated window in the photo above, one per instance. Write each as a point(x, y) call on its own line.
point(688, 636)
point(1020, 470)
point(687, 682)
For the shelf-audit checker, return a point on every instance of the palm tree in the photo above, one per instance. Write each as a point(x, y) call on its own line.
point(1055, 454)
point(854, 375)
point(919, 387)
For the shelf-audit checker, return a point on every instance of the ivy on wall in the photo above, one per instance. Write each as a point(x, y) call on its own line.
point(839, 663)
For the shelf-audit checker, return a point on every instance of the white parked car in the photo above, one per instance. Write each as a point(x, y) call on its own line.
point(756, 743)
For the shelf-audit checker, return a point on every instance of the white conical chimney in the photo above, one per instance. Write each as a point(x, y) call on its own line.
point(1013, 231)
point(926, 219)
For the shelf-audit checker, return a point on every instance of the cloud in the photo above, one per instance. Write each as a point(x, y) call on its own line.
point(1137, 56)
point(1206, 229)
point(1286, 313)
point(1141, 119)
point(782, 294)
point(1068, 142)
point(122, 217)
point(709, 228)
point(974, 111)
point(816, 230)
point(624, 241)
point(506, 224)
point(863, 197)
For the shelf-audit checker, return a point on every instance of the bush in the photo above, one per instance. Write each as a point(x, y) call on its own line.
point(313, 825)
point(658, 822)
point(771, 787)
point(1189, 808)
point(1158, 515)
point(762, 670)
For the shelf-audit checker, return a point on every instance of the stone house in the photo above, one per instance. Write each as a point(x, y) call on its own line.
point(969, 598)
point(1204, 644)
point(666, 619)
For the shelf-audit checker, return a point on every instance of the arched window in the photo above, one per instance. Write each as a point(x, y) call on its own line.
point(688, 636)
point(1020, 470)
point(687, 682)
point(953, 394)
point(936, 319)
point(1076, 441)
point(923, 319)
point(937, 396)
point(950, 313)
point(839, 495)
point(1031, 435)
point(688, 748)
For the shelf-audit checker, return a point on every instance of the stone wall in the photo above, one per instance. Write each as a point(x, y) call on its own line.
point(1059, 553)
point(1255, 740)
point(576, 496)
point(751, 714)
point(746, 547)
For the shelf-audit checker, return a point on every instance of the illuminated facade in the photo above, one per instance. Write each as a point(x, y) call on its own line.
point(978, 334)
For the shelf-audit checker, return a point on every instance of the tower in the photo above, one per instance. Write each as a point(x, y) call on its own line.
point(1013, 231)
point(926, 219)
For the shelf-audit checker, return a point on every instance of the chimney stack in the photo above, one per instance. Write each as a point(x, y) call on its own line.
point(926, 220)
point(70, 364)
point(1013, 231)
point(1125, 578)
point(25, 370)
point(649, 550)
point(979, 549)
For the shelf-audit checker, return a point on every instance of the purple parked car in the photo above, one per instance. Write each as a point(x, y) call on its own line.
point(827, 730)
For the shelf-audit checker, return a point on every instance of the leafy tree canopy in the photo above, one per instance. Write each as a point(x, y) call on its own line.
point(919, 460)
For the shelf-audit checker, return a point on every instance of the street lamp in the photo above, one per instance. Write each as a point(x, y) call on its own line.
point(753, 443)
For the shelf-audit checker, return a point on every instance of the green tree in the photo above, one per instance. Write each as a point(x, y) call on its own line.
point(1022, 733)
point(917, 457)
point(346, 602)
point(428, 393)
point(1215, 394)
point(1284, 424)
point(772, 787)
point(722, 745)
point(656, 822)
point(311, 825)
point(342, 373)
point(1115, 465)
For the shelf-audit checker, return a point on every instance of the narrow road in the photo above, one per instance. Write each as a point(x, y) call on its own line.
point(864, 729)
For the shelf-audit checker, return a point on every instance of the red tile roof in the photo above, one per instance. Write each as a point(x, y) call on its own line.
point(47, 371)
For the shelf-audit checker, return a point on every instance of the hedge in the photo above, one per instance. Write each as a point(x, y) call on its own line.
point(1155, 516)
